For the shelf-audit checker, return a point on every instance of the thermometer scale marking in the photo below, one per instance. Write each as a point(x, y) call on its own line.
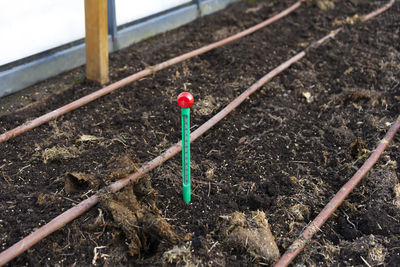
point(186, 150)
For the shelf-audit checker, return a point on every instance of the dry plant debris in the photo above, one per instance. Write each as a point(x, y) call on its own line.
point(57, 153)
point(251, 234)
point(88, 138)
point(396, 190)
point(135, 212)
point(207, 105)
point(325, 4)
point(178, 256)
point(322, 4)
point(347, 21)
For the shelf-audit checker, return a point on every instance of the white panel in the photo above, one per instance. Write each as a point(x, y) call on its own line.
point(28, 27)
point(130, 10)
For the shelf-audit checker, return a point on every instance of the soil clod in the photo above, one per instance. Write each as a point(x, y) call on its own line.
point(77, 181)
point(134, 212)
point(251, 234)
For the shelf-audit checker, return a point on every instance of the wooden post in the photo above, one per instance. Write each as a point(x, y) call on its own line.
point(96, 40)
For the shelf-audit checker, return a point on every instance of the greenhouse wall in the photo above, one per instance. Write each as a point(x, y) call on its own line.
point(44, 38)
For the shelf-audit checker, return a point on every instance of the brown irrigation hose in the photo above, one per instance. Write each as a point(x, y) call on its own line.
point(337, 200)
point(134, 77)
point(378, 11)
point(85, 205)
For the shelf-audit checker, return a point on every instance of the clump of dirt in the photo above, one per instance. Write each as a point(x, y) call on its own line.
point(76, 181)
point(383, 182)
point(47, 199)
point(358, 149)
point(360, 97)
point(58, 153)
point(121, 166)
point(134, 211)
point(344, 134)
point(117, 167)
point(251, 234)
point(227, 31)
point(365, 250)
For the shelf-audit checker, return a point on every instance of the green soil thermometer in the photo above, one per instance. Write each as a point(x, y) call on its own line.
point(185, 101)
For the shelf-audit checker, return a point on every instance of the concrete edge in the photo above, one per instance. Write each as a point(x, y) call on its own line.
point(22, 76)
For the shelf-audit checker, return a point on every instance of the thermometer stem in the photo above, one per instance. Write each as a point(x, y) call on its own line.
point(186, 154)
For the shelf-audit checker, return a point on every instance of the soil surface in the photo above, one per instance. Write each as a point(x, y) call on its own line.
point(270, 165)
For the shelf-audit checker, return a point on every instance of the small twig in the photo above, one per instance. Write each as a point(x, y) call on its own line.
point(169, 219)
point(23, 168)
point(365, 261)
point(211, 248)
point(392, 218)
point(120, 139)
point(5, 179)
point(395, 86)
point(73, 201)
point(85, 195)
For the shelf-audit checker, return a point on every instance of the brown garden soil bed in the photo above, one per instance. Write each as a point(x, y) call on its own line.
point(283, 153)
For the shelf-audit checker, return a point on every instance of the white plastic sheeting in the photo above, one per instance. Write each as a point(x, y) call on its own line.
point(29, 27)
point(130, 10)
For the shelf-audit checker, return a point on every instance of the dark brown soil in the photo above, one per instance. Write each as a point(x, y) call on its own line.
point(284, 152)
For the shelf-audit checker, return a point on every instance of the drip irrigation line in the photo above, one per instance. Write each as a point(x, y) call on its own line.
point(29, 125)
point(337, 200)
point(378, 11)
point(85, 205)
point(298, 245)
